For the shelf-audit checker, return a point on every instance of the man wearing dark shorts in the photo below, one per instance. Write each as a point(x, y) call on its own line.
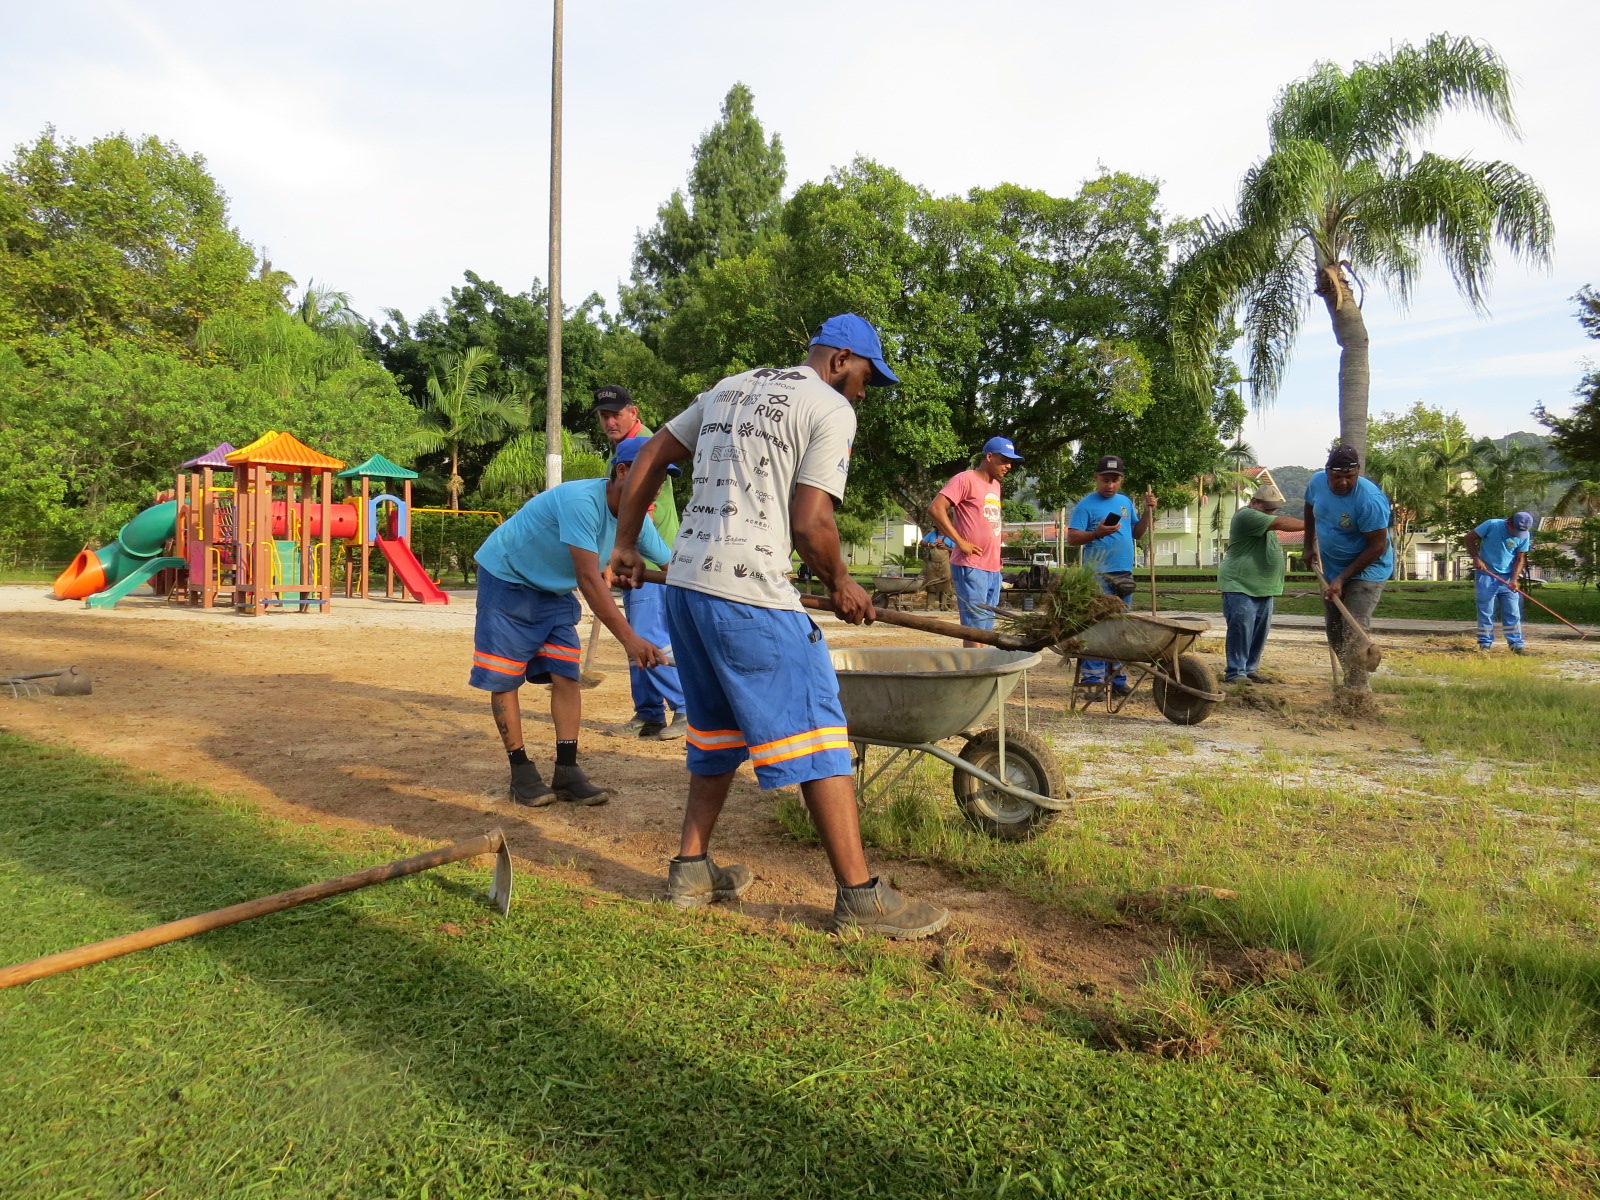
point(771, 452)
point(527, 620)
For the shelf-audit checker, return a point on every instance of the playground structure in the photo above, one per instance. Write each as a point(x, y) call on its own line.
point(264, 540)
point(384, 520)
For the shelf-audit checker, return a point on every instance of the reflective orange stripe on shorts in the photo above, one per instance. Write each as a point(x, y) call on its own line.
point(493, 662)
point(714, 739)
point(564, 653)
point(831, 737)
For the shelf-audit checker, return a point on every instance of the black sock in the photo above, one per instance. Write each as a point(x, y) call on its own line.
point(518, 757)
point(567, 753)
point(861, 887)
point(691, 858)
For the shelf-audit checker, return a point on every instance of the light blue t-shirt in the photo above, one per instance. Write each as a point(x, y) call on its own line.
point(532, 547)
point(1501, 546)
point(1343, 523)
point(1115, 551)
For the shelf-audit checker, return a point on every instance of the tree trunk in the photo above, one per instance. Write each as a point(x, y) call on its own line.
point(455, 480)
point(1355, 367)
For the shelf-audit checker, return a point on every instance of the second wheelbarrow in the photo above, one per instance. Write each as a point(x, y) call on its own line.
point(1007, 783)
point(1183, 687)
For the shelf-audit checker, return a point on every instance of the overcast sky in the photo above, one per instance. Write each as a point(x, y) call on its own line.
point(384, 148)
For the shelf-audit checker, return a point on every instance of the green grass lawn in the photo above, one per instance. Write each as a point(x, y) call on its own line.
point(402, 1041)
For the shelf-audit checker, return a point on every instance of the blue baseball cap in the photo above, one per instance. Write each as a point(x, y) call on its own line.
point(1522, 521)
point(1003, 446)
point(850, 332)
point(628, 450)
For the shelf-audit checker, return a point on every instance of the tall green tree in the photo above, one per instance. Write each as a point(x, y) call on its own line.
point(1343, 198)
point(119, 241)
point(1004, 311)
point(1576, 436)
point(734, 198)
point(458, 410)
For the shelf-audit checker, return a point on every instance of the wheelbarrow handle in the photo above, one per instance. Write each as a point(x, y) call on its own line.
point(986, 637)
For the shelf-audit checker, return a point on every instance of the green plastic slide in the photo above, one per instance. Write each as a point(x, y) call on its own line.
point(143, 573)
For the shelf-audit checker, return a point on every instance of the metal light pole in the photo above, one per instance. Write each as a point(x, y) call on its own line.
point(552, 414)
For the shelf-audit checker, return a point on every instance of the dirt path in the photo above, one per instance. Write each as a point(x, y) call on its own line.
point(363, 718)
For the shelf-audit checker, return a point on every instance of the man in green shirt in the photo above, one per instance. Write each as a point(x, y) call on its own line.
point(1251, 575)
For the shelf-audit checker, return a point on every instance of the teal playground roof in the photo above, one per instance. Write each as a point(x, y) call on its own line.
point(377, 467)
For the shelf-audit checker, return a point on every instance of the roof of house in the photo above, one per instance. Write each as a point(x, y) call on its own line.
point(285, 451)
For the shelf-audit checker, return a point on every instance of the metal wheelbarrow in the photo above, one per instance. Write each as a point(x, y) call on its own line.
point(1183, 687)
point(1009, 784)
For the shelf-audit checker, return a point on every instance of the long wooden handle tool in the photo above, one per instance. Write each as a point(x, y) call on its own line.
point(986, 637)
point(493, 842)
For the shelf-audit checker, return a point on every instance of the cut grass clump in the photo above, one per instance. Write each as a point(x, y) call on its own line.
point(1073, 601)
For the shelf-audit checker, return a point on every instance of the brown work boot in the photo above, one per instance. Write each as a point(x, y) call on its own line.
point(692, 884)
point(878, 908)
point(528, 786)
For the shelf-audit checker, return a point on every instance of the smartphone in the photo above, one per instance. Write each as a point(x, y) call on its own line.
point(1114, 518)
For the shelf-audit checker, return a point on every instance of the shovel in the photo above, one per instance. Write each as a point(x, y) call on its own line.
point(70, 681)
point(986, 637)
point(1363, 649)
point(493, 842)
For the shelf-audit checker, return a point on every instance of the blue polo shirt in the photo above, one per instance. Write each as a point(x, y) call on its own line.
point(1501, 545)
point(1343, 522)
point(1115, 551)
point(532, 548)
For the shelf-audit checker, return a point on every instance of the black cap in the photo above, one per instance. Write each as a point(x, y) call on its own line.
point(1343, 458)
point(612, 398)
point(1110, 462)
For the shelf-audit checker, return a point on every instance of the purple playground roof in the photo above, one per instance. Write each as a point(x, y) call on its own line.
point(213, 458)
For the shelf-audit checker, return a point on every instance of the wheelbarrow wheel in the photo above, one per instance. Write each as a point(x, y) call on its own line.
point(1178, 706)
point(1030, 764)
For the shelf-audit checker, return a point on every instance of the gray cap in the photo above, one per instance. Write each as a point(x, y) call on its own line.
point(1268, 493)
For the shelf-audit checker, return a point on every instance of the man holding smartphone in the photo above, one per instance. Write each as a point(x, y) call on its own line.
point(1106, 524)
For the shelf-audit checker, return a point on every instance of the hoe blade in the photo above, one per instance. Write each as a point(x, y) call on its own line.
point(500, 886)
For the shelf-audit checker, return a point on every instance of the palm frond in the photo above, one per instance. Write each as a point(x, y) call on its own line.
point(1385, 104)
point(1220, 274)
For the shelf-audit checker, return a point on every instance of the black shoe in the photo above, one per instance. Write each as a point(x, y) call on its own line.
point(1121, 690)
point(1255, 677)
point(528, 787)
point(573, 786)
point(637, 727)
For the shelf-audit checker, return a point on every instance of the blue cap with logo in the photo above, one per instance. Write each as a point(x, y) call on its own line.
point(1522, 521)
point(1002, 446)
point(850, 332)
point(628, 450)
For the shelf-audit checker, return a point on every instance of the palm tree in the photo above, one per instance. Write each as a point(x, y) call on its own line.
point(1511, 473)
point(457, 410)
point(1582, 498)
point(517, 469)
point(1448, 460)
point(1345, 195)
point(1402, 472)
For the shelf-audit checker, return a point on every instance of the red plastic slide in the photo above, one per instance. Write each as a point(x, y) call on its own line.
point(410, 571)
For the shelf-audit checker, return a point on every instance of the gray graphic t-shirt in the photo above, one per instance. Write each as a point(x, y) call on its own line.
point(755, 436)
